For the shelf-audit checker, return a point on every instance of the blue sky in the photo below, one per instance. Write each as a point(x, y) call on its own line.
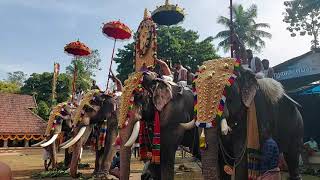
point(34, 32)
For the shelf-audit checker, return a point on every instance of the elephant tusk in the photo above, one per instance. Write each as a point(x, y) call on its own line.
point(134, 134)
point(75, 139)
point(54, 137)
point(38, 144)
point(189, 125)
point(64, 143)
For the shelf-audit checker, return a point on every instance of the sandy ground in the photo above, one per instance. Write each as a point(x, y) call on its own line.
point(25, 162)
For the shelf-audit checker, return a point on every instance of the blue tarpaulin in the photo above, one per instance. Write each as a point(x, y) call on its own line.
point(312, 90)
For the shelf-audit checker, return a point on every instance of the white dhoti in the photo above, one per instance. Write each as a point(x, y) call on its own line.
point(182, 83)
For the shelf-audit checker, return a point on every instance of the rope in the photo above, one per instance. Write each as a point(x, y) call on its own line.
point(225, 153)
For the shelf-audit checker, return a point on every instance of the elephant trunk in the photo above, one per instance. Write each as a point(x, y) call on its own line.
point(53, 153)
point(125, 151)
point(75, 158)
point(209, 157)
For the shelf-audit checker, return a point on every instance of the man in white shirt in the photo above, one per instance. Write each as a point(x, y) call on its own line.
point(255, 64)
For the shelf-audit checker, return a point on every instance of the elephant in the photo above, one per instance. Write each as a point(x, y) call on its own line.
point(276, 113)
point(59, 121)
point(98, 114)
point(175, 107)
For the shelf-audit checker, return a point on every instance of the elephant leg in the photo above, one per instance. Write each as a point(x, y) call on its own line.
point(109, 151)
point(168, 153)
point(170, 139)
point(67, 157)
point(209, 157)
point(97, 163)
point(292, 159)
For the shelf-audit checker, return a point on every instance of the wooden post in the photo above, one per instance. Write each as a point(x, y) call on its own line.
point(231, 29)
point(5, 143)
point(114, 46)
point(26, 143)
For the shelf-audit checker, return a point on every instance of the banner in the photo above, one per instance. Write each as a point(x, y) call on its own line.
point(54, 81)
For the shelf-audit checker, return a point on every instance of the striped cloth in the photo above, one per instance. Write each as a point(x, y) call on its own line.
point(102, 135)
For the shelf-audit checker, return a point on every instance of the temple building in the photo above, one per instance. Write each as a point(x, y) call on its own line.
point(18, 123)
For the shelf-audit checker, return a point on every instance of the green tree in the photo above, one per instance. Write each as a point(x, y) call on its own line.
point(245, 27)
point(40, 85)
point(43, 110)
point(303, 17)
point(175, 44)
point(17, 77)
point(9, 87)
point(87, 66)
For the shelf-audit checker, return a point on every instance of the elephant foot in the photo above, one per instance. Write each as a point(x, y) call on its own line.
point(103, 175)
point(295, 178)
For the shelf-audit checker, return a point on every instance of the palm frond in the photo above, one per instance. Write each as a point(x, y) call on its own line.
point(261, 25)
point(223, 20)
point(222, 34)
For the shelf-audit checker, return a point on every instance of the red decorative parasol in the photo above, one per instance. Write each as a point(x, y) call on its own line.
point(76, 49)
point(117, 31)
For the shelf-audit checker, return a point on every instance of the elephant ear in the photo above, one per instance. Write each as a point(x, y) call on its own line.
point(249, 86)
point(162, 95)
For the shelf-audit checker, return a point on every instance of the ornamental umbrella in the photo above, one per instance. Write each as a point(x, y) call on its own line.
point(117, 31)
point(76, 49)
point(168, 14)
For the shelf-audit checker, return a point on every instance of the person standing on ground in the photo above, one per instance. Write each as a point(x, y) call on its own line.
point(269, 159)
point(267, 71)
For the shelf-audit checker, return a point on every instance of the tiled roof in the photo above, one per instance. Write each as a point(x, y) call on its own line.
point(16, 116)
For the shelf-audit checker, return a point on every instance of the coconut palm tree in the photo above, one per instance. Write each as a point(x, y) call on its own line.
point(245, 27)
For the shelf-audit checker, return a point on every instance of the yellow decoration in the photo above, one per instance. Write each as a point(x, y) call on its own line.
point(132, 83)
point(146, 43)
point(202, 140)
point(21, 137)
point(85, 101)
point(212, 78)
point(54, 112)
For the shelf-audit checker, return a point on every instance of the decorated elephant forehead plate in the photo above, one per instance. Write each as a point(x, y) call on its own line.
point(85, 101)
point(127, 98)
point(54, 112)
point(213, 77)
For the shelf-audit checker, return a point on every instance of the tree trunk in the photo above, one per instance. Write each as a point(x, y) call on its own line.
point(209, 158)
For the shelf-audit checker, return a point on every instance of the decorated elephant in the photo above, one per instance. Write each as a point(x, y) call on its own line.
point(59, 122)
point(95, 115)
point(149, 104)
point(248, 108)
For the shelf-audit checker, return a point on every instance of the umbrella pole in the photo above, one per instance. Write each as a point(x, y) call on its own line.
point(114, 46)
point(75, 72)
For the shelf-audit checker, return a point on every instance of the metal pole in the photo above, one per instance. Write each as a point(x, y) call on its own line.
point(231, 29)
point(114, 45)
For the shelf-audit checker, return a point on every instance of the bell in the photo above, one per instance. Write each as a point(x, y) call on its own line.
point(202, 140)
